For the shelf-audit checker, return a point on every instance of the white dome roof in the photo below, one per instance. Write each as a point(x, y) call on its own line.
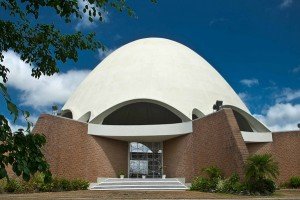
point(152, 70)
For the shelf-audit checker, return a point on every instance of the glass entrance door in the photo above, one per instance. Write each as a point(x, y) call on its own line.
point(145, 159)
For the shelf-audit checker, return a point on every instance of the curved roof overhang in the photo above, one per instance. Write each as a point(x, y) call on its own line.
point(260, 132)
point(256, 125)
point(141, 133)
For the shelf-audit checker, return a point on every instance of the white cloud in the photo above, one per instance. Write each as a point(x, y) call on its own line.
point(85, 22)
point(249, 82)
point(43, 92)
point(15, 127)
point(103, 54)
point(296, 70)
point(287, 95)
point(281, 117)
point(285, 4)
point(243, 96)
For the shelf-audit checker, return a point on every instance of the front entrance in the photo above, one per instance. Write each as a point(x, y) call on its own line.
point(145, 159)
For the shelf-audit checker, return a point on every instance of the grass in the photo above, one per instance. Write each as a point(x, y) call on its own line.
point(282, 194)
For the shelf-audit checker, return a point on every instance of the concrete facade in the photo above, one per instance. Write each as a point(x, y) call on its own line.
point(216, 140)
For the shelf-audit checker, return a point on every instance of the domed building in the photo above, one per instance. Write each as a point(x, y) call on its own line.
point(153, 107)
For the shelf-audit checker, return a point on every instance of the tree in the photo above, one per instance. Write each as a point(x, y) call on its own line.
point(44, 46)
point(261, 167)
point(260, 170)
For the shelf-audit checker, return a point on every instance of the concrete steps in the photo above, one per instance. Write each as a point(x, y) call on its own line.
point(139, 184)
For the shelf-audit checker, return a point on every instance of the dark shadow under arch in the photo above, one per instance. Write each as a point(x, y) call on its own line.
point(141, 113)
point(100, 117)
point(67, 114)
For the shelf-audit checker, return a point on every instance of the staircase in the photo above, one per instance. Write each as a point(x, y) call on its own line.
point(139, 184)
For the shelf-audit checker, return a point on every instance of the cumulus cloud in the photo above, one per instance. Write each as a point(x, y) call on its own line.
point(249, 82)
point(103, 54)
point(285, 4)
point(296, 70)
point(281, 117)
point(46, 91)
point(243, 96)
point(85, 22)
point(287, 95)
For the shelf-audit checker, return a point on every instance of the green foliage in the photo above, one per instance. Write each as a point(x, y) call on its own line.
point(62, 184)
point(121, 173)
point(213, 172)
point(231, 185)
point(262, 186)
point(14, 186)
point(201, 184)
point(209, 184)
point(261, 167)
point(294, 182)
point(260, 170)
point(37, 184)
point(45, 47)
point(21, 151)
point(79, 184)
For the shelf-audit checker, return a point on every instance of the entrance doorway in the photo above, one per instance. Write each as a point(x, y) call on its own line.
point(146, 159)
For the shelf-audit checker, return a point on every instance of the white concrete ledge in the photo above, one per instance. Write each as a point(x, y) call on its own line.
point(141, 133)
point(251, 137)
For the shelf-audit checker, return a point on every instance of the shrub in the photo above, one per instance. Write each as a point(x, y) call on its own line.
point(231, 185)
point(260, 167)
point(209, 184)
point(37, 184)
point(259, 172)
point(13, 186)
point(61, 184)
point(295, 182)
point(79, 184)
point(213, 172)
point(201, 184)
point(263, 186)
point(2, 185)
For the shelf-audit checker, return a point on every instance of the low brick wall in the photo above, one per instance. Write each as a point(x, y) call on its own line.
point(216, 140)
point(285, 149)
point(72, 153)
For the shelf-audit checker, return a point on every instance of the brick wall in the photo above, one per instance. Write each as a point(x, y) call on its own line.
point(216, 140)
point(72, 153)
point(285, 148)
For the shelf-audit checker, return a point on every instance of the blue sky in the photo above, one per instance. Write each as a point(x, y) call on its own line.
point(254, 44)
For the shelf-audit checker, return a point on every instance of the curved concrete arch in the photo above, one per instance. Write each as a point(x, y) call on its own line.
point(85, 117)
point(99, 119)
point(198, 113)
point(67, 113)
point(256, 125)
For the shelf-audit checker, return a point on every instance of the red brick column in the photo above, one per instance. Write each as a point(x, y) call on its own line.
point(72, 153)
point(216, 140)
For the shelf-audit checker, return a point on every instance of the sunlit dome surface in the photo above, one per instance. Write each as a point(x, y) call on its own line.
point(156, 71)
